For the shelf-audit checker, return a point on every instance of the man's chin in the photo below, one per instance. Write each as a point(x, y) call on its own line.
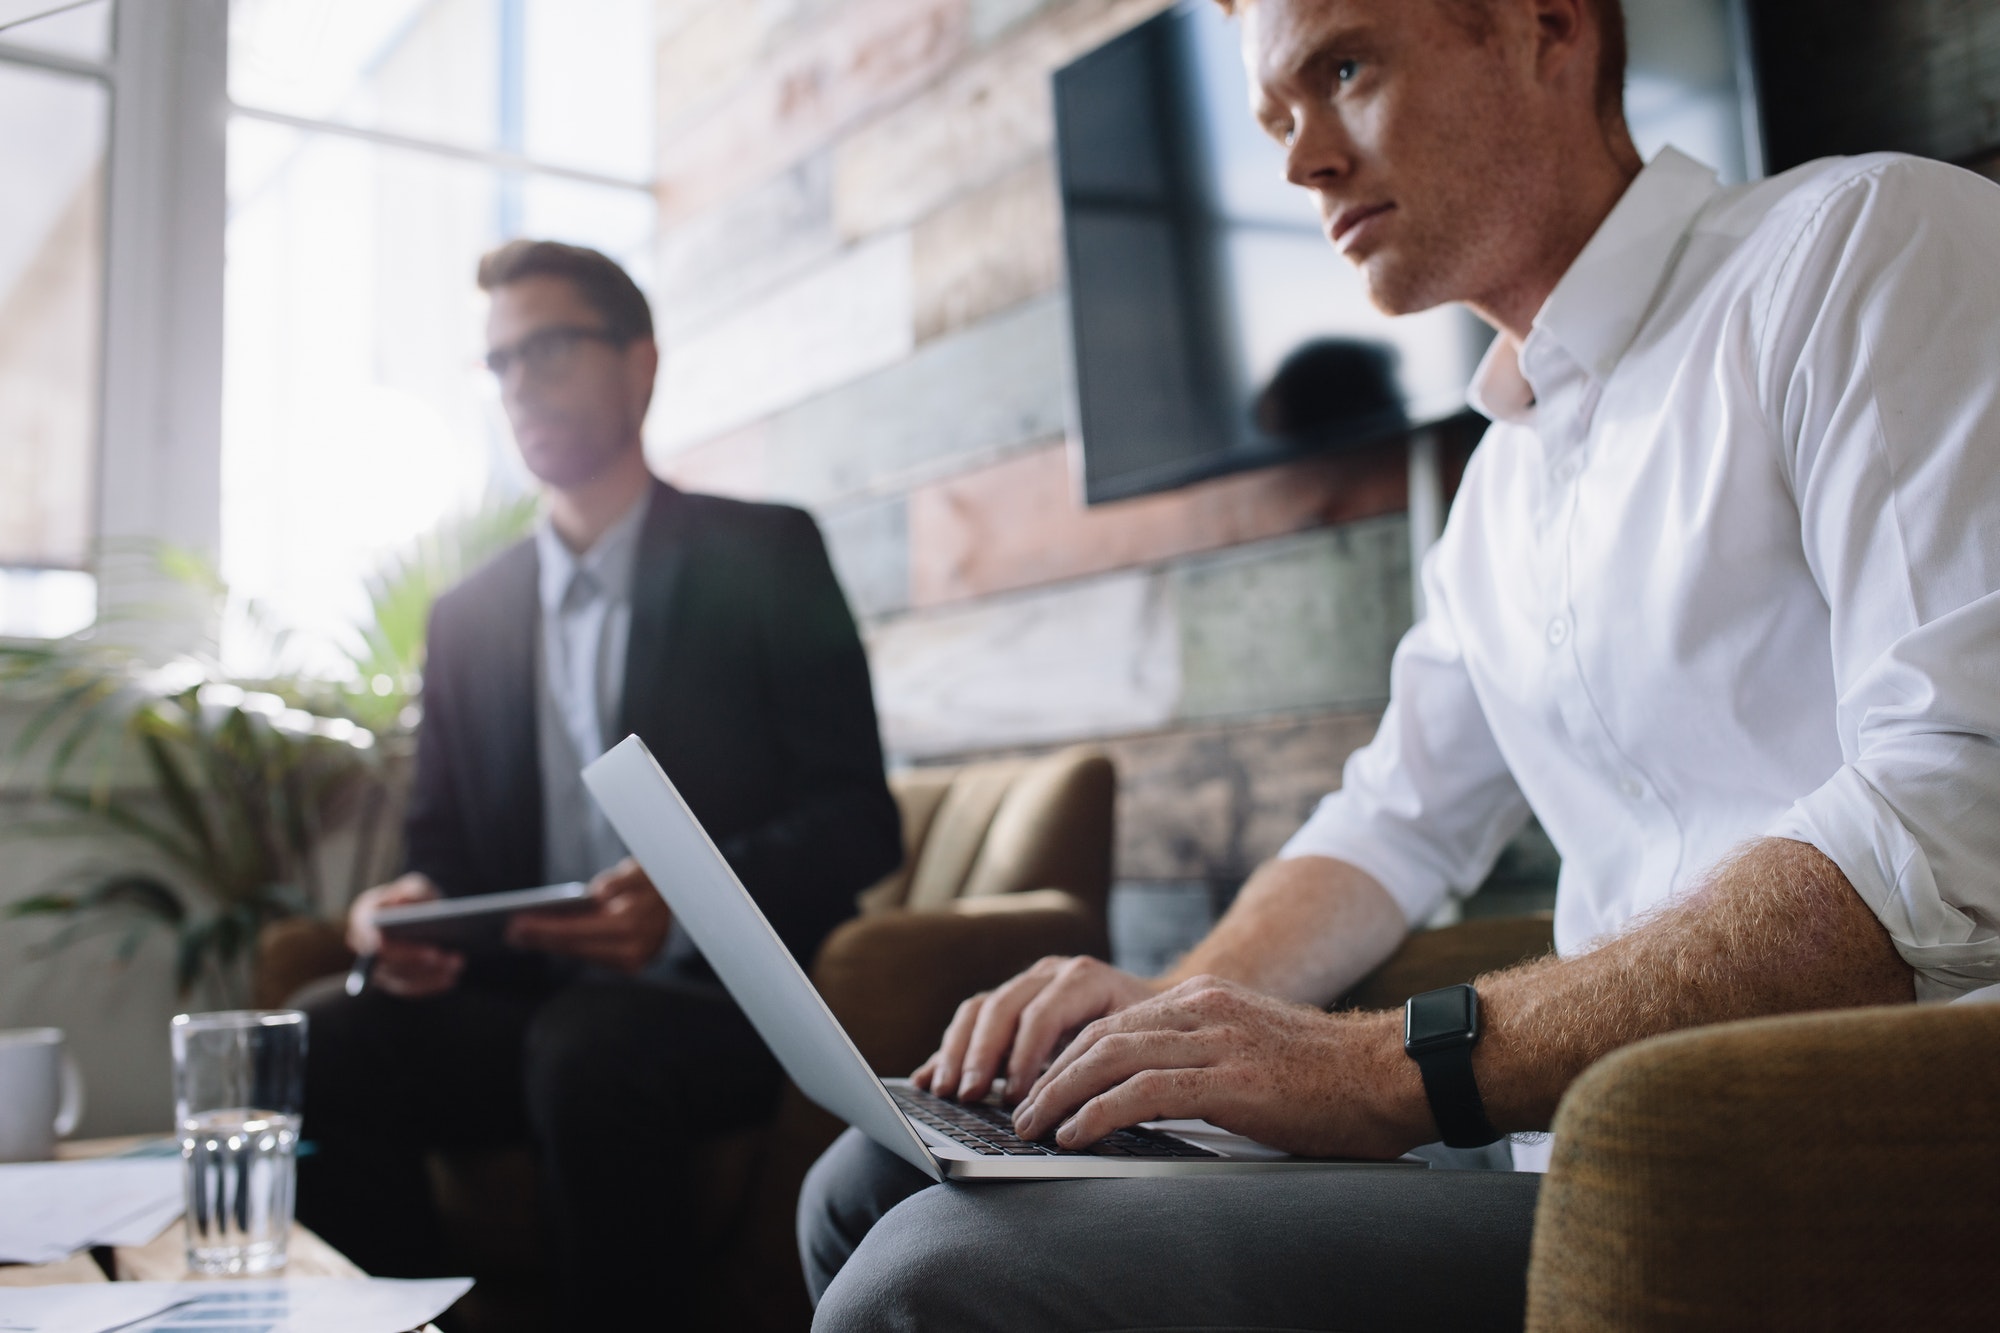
point(555, 466)
point(566, 468)
point(1394, 290)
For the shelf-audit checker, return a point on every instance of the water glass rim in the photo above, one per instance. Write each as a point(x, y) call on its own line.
point(231, 1019)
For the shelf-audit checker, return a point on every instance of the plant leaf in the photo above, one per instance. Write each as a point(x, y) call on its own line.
point(182, 802)
point(44, 904)
point(192, 952)
point(122, 817)
point(138, 893)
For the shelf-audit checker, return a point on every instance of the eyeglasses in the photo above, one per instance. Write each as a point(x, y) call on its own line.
point(547, 351)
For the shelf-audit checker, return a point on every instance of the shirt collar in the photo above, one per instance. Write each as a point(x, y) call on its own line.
point(609, 561)
point(1595, 311)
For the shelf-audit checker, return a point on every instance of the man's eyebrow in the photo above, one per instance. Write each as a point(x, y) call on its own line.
point(1356, 39)
point(1329, 50)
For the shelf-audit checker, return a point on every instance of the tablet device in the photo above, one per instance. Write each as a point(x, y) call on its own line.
point(476, 921)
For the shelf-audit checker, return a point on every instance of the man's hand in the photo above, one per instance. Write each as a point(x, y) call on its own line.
point(1288, 1075)
point(625, 929)
point(402, 967)
point(1023, 1022)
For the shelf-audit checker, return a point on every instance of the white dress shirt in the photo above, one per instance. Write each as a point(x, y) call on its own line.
point(1724, 567)
point(579, 684)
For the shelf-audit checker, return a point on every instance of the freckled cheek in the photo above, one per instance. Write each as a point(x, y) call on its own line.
point(1371, 128)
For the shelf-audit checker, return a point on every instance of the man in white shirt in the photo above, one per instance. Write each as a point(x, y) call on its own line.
point(1716, 602)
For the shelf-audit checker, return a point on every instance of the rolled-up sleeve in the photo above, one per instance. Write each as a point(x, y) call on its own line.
point(1881, 370)
point(1426, 806)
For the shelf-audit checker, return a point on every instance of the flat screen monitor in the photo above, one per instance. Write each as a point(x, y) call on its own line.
point(1213, 327)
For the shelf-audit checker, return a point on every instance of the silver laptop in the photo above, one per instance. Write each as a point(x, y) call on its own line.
point(946, 1139)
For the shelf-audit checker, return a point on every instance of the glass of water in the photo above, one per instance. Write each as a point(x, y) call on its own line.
point(239, 1078)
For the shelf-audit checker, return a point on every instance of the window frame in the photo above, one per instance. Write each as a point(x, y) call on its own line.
point(158, 439)
point(159, 378)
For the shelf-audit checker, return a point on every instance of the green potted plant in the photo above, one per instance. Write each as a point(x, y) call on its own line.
point(190, 780)
point(217, 792)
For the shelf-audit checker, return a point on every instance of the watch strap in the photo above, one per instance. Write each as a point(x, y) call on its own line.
point(1454, 1097)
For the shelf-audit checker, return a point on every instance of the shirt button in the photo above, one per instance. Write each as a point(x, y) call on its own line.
point(1632, 788)
point(1566, 471)
point(1558, 632)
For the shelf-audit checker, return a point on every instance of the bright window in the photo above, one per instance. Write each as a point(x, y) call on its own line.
point(377, 149)
point(54, 128)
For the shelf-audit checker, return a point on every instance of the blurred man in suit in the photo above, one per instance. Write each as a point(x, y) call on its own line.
point(715, 630)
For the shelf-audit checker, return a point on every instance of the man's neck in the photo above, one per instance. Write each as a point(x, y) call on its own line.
point(1579, 209)
point(583, 514)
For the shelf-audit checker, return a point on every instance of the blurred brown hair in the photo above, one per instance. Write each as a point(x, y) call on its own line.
point(604, 287)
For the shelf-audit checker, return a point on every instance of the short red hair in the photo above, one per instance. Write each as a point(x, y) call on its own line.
point(1475, 16)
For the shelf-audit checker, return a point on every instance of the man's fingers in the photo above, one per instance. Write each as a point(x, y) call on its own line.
point(567, 930)
point(993, 1032)
point(1112, 1059)
point(419, 975)
point(363, 936)
point(1152, 1094)
point(1089, 1036)
point(552, 933)
point(625, 930)
point(624, 878)
point(1162, 1013)
point(950, 1057)
point(1079, 993)
point(591, 942)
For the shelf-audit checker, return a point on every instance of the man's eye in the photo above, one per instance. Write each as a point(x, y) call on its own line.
point(549, 346)
point(1347, 71)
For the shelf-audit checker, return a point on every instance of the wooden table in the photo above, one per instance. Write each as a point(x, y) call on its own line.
point(164, 1258)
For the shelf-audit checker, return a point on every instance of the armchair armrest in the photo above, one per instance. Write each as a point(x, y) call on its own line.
point(895, 979)
point(1820, 1171)
point(293, 953)
point(1452, 954)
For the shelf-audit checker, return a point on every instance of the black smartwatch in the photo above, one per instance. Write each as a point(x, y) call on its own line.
point(1439, 1030)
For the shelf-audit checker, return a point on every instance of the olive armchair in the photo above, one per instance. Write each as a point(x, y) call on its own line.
point(1829, 1171)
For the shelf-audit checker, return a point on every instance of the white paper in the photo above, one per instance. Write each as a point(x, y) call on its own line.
point(80, 1307)
point(290, 1305)
point(50, 1210)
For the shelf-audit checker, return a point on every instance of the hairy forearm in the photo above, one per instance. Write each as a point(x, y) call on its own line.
point(1304, 929)
point(1776, 929)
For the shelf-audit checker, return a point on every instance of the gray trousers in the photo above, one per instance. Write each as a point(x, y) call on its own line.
point(886, 1249)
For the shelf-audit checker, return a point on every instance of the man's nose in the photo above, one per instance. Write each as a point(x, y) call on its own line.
point(1320, 154)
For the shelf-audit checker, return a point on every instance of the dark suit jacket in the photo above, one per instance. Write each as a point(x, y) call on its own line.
point(744, 676)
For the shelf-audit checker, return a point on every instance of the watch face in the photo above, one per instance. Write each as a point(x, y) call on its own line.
point(1440, 1018)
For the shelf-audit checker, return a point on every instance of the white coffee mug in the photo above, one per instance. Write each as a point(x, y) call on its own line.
point(41, 1094)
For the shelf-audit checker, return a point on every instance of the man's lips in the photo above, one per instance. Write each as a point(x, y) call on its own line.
point(537, 427)
point(1341, 231)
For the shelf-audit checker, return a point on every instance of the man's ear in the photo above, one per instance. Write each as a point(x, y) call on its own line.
point(1565, 43)
point(642, 369)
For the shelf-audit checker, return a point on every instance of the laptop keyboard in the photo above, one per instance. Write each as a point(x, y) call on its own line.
point(989, 1130)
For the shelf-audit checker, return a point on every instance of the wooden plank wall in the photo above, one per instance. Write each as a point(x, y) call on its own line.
point(860, 287)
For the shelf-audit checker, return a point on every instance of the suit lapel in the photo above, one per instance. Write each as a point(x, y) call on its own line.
point(504, 683)
point(656, 579)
